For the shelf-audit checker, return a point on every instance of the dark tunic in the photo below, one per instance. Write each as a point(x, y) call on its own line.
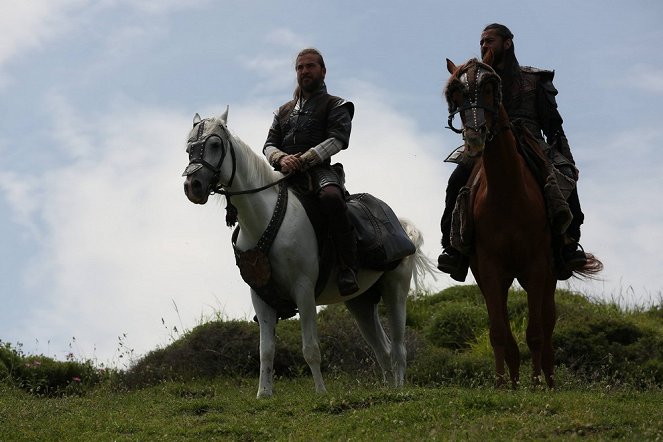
point(530, 100)
point(322, 116)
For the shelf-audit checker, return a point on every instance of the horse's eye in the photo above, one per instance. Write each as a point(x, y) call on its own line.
point(214, 143)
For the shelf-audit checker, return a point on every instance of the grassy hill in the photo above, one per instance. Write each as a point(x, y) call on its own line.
point(609, 371)
point(447, 341)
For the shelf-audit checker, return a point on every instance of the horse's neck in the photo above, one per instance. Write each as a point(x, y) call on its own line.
point(502, 163)
point(254, 209)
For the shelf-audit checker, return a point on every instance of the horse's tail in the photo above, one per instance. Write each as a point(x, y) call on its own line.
point(422, 264)
point(592, 267)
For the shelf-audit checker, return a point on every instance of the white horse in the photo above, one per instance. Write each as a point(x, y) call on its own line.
point(221, 162)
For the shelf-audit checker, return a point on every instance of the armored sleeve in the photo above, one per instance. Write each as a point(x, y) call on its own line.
point(274, 135)
point(550, 118)
point(274, 141)
point(339, 121)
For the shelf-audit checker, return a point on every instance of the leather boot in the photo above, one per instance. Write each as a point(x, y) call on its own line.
point(573, 255)
point(346, 248)
point(559, 212)
point(454, 263)
point(449, 260)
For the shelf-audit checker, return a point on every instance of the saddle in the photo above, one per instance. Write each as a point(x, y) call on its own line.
point(555, 187)
point(381, 244)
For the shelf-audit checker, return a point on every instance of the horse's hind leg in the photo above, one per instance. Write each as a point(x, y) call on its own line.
point(541, 321)
point(267, 322)
point(511, 351)
point(395, 286)
point(365, 312)
point(549, 319)
point(534, 332)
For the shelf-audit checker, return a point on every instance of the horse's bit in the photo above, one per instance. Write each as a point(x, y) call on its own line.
point(196, 151)
point(473, 106)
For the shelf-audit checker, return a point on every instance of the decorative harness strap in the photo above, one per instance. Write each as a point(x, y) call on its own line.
point(254, 263)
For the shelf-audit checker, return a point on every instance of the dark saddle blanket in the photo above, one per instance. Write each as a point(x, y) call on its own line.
point(381, 240)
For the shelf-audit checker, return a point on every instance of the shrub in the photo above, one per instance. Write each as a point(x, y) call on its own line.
point(43, 376)
point(456, 326)
point(209, 350)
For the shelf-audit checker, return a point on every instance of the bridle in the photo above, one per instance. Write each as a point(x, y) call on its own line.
point(473, 107)
point(196, 150)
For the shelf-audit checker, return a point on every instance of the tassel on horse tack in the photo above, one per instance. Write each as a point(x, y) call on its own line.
point(231, 213)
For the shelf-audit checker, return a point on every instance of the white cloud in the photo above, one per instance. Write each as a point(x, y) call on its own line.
point(122, 242)
point(619, 194)
point(287, 38)
point(644, 77)
point(31, 24)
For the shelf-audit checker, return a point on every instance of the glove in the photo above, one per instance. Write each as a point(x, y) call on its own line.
point(310, 159)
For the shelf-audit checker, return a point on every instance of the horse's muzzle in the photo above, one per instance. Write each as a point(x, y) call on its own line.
point(195, 191)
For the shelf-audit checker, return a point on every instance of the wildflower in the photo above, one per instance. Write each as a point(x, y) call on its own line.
point(76, 379)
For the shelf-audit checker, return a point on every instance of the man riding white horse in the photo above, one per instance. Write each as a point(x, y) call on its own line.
point(306, 132)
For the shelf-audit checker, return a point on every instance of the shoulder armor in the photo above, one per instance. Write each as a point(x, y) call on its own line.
point(336, 102)
point(546, 74)
point(285, 109)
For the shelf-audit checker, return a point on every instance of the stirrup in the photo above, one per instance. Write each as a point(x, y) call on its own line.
point(347, 281)
point(456, 265)
point(574, 259)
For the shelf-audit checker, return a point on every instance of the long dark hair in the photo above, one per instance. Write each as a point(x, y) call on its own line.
point(510, 76)
point(510, 60)
point(321, 62)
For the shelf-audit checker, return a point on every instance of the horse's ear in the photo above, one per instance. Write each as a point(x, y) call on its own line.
point(451, 67)
point(488, 58)
point(196, 119)
point(224, 117)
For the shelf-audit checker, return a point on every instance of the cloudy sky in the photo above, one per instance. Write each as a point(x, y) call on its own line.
point(101, 251)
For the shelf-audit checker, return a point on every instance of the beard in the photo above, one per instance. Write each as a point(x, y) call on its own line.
point(498, 55)
point(310, 84)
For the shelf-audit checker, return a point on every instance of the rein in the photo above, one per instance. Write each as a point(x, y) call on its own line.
point(221, 191)
point(196, 149)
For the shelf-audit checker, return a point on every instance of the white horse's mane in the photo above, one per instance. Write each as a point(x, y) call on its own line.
point(257, 168)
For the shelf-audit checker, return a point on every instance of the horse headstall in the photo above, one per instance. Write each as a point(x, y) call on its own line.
point(196, 149)
point(468, 80)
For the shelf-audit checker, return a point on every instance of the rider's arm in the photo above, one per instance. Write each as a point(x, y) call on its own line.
point(274, 139)
point(551, 120)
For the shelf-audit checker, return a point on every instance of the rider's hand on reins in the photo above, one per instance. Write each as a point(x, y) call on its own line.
point(291, 163)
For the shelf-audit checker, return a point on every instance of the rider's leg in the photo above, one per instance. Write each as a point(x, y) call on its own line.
point(572, 254)
point(450, 259)
point(335, 210)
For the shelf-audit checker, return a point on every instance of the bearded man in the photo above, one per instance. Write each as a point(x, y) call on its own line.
point(306, 132)
point(529, 98)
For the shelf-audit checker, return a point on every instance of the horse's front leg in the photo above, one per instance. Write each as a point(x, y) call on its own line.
point(310, 342)
point(267, 321)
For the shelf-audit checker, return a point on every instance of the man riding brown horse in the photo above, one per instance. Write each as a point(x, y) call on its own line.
point(529, 98)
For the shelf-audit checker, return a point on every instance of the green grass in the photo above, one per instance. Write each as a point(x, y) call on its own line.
point(226, 409)
point(609, 377)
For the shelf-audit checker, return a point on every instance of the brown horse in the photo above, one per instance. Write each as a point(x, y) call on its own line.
point(512, 236)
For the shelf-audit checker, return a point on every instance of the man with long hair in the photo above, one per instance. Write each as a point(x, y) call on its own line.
point(528, 95)
point(304, 135)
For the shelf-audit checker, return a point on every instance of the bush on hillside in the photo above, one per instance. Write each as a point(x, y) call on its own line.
point(447, 342)
point(44, 376)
